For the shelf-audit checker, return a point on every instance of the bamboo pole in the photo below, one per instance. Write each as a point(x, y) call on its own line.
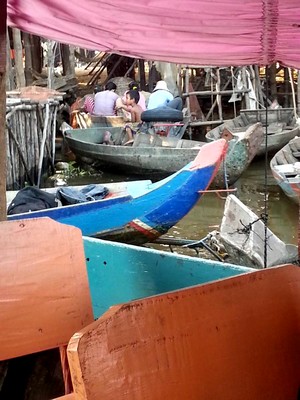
point(214, 92)
point(42, 147)
point(97, 74)
point(130, 69)
point(19, 148)
point(188, 103)
point(3, 14)
point(245, 83)
point(54, 137)
point(293, 92)
point(219, 98)
point(109, 76)
point(186, 85)
point(51, 56)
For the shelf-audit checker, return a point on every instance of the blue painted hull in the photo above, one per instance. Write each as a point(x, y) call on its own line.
point(143, 216)
point(119, 273)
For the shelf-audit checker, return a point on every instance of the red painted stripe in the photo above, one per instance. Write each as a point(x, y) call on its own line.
point(151, 233)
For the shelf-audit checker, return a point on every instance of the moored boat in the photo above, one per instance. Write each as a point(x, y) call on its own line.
point(244, 237)
point(144, 272)
point(285, 167)
point(281, 127)
point(154, 154)
point(140, 211)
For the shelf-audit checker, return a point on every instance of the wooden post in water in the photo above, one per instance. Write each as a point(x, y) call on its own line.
point(3, 13)
point(10, 73)
point(18, 52)
point(51, 49)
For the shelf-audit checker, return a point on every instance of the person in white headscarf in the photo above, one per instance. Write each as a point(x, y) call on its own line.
point(162, 97)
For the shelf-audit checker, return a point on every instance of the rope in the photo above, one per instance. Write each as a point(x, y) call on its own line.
point(248, 228)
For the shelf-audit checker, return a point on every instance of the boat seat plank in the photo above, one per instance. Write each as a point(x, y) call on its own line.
point(286, 169)
point(296, 154)
point(45, 294)
point(182, 344)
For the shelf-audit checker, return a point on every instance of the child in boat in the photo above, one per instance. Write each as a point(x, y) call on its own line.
point(132, 106)
point(132, 99)
point(122, 100)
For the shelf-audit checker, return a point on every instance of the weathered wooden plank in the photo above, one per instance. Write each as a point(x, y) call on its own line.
point(286, 169)
point(43, 284)
point(233, 339)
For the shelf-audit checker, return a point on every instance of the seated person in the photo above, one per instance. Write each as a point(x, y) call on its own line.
point(89, 101)
point(105, 102)
point(132, 99)
point(161, 97)
point(72, 106)
point(132, 106)
point(122, 101)
point(142, 101)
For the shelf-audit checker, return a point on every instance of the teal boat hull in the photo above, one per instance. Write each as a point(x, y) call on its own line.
point(120, 272)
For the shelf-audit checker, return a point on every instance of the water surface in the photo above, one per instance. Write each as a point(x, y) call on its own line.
point(206, 216)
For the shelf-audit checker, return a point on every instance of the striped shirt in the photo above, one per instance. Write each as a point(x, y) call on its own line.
point(89, 104)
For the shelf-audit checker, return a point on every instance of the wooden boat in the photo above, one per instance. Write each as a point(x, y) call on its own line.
point(141, 211)
point(282, 127)
point(84, 120)
point(53, 283)
point(285, 167)
point(242, 236)
point(213, 341)
point(144, 272)
point(154, 154)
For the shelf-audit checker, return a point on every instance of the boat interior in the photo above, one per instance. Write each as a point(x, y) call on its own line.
point(278, 120)
point(206, 341)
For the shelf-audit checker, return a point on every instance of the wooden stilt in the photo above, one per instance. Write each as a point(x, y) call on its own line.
point(42, 147)
point(18, 52)
point(3, 13)
point(293, 92)
point(10, 73)
point(51, 56)
point(142, 75)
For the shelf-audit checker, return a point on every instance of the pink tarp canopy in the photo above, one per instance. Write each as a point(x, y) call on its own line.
point(201, 32)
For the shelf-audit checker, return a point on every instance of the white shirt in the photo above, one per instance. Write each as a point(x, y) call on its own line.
point(105, 103)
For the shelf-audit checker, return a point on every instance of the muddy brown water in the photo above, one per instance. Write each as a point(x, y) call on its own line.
point(257, 192)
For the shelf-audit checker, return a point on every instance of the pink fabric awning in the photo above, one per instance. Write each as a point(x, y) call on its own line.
point(201, 32)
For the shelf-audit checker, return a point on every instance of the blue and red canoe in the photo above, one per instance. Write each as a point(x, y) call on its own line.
point(140, 211)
